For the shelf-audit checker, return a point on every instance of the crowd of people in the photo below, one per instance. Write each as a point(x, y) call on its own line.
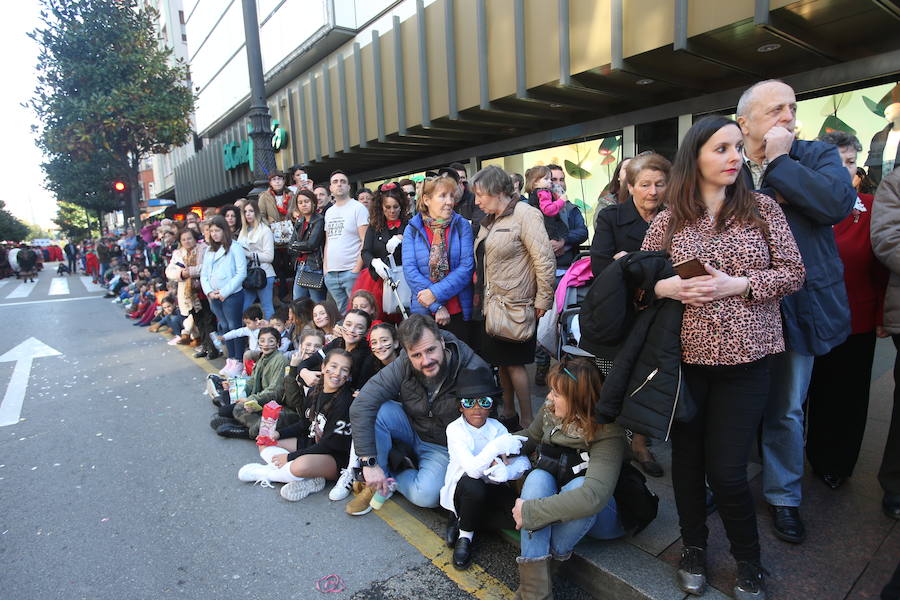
point(735, 294)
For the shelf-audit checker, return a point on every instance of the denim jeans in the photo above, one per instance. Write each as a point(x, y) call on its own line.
point(420, 486)
point(265, 298)
point(175, 321)
point(340, 285)
point(559, 539)
point(228, 314)
point(782, 430)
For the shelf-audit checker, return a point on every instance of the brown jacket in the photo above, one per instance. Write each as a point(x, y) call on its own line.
point(885, 232)
point(518, 261)
point(268, 212)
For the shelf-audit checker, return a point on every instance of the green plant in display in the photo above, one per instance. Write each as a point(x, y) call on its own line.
point(832, 121)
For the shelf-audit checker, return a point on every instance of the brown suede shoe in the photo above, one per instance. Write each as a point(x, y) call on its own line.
point(184, 339)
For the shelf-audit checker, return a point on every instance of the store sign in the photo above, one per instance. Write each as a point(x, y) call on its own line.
point(237, 154)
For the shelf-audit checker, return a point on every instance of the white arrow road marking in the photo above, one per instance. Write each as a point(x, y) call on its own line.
point(23, 290)
point(89, 284)
point(59, 287)
point(23, 355)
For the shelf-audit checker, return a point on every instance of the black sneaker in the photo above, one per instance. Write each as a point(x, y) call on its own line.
point(749, 582)
point(691, 575)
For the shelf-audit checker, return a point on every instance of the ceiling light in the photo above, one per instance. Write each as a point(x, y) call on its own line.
point(768, 47)
point(644, 82)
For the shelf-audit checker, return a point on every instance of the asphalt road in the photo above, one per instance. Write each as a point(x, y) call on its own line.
point(112, 485)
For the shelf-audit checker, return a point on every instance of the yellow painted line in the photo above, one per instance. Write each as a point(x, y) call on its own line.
point(475, 580)
point(189, 353)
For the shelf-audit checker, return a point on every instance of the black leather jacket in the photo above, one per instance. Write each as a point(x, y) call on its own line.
point(308, 245)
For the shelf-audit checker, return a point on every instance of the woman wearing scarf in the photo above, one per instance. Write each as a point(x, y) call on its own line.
point(438, 259)
point(384, 239)
point(276, 205)
point(184, 267)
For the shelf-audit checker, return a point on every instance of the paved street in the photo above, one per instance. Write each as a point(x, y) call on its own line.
point(113, 486)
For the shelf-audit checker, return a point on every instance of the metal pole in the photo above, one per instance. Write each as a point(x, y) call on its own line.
point(263, 159)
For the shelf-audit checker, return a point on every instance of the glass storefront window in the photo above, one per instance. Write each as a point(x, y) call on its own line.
point(588, 165)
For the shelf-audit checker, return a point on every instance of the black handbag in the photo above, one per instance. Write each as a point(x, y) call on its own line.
point(313, 280)
point(256, 277)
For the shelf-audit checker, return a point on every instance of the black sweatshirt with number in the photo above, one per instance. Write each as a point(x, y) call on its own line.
point(326, 416)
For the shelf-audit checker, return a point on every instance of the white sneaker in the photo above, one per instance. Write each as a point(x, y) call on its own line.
point(227, 368)
point(298, 490)
point(342, 488)
point(174, 341)
point(257, 473)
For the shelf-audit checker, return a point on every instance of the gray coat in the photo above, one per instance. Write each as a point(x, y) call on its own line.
point(885, 232)
point(398, 381)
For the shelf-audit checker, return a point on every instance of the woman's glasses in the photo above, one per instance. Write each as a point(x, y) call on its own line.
point(482, 402)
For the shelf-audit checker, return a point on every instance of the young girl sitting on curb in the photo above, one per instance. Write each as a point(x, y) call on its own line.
point(309, 452)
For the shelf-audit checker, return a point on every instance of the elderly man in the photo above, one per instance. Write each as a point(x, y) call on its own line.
point(810, 182)
point(400, 418)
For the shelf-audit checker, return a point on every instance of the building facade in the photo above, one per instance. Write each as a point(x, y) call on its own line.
point(387, 89)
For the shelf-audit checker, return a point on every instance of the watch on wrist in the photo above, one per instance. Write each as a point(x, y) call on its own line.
point(370, 461)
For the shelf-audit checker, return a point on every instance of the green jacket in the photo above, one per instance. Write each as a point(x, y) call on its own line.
point(267, 381)
point(605, 452)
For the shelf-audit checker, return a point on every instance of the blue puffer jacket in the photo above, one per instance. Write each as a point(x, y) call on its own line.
point(818, 194)
point(458, 281)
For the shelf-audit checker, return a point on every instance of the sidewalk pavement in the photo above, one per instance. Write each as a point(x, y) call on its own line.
point(850, 552)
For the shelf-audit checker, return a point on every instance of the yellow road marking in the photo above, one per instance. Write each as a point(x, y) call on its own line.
point(475, 581)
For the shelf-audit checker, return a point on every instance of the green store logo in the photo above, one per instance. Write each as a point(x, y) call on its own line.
point(237, 154)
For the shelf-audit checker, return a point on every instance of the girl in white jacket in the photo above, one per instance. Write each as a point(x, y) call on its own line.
point(482, 461)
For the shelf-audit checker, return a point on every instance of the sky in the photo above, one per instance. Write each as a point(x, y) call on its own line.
point(20, 159)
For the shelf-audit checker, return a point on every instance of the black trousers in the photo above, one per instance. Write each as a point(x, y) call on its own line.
point(889, 474)
point(461, 328)
point(72, 264)
point(484, 506)
point(838, 404)
point(284, 273)
point(715, 447)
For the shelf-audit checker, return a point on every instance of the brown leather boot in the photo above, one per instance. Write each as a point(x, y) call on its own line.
point(194, 343)
point(534, 580)
point(184, 340)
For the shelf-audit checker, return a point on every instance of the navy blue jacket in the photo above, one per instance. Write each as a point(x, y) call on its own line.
point(458, 282)
point(577, 235)
point(818, 193)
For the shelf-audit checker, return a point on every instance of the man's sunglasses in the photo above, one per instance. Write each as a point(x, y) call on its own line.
point(482, 402)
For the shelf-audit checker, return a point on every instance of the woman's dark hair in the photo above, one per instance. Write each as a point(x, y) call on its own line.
point(389, 327)
point(310, 196)
point(197, 237)
point(255, 206)
point(614, 186)
point(331, 310)
point(271, 331)
point(377, 221)
point(237, 217)
point(302, 309)
point(321, 385)
point(683, 198)
point(360, 313)
point(866, 185)
point(219, 221)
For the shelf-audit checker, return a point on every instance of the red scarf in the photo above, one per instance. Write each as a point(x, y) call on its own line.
point(287, 200)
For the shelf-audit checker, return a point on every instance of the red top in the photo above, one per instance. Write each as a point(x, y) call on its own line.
point(452, 305)
point(865, 277)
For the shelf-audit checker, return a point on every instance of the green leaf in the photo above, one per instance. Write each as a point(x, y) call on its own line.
point(833, 123)
point(608, 146)
point(576, 171)
point(875, 107)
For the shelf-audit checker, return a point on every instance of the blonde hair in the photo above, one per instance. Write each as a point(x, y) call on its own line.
point(533, 175)
point(432, 187)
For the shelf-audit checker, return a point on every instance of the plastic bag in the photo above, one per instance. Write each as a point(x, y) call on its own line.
point(267, 423)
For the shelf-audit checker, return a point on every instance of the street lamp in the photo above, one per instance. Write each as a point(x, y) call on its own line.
point(260, 121)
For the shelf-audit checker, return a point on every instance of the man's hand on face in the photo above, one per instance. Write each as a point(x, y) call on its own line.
point(778, 141)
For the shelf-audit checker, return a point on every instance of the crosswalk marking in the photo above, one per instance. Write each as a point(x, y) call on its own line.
point(59, 286)
point(23, 290)
point(89, 284)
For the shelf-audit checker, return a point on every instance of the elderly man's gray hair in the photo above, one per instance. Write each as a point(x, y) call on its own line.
point(746, 98)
